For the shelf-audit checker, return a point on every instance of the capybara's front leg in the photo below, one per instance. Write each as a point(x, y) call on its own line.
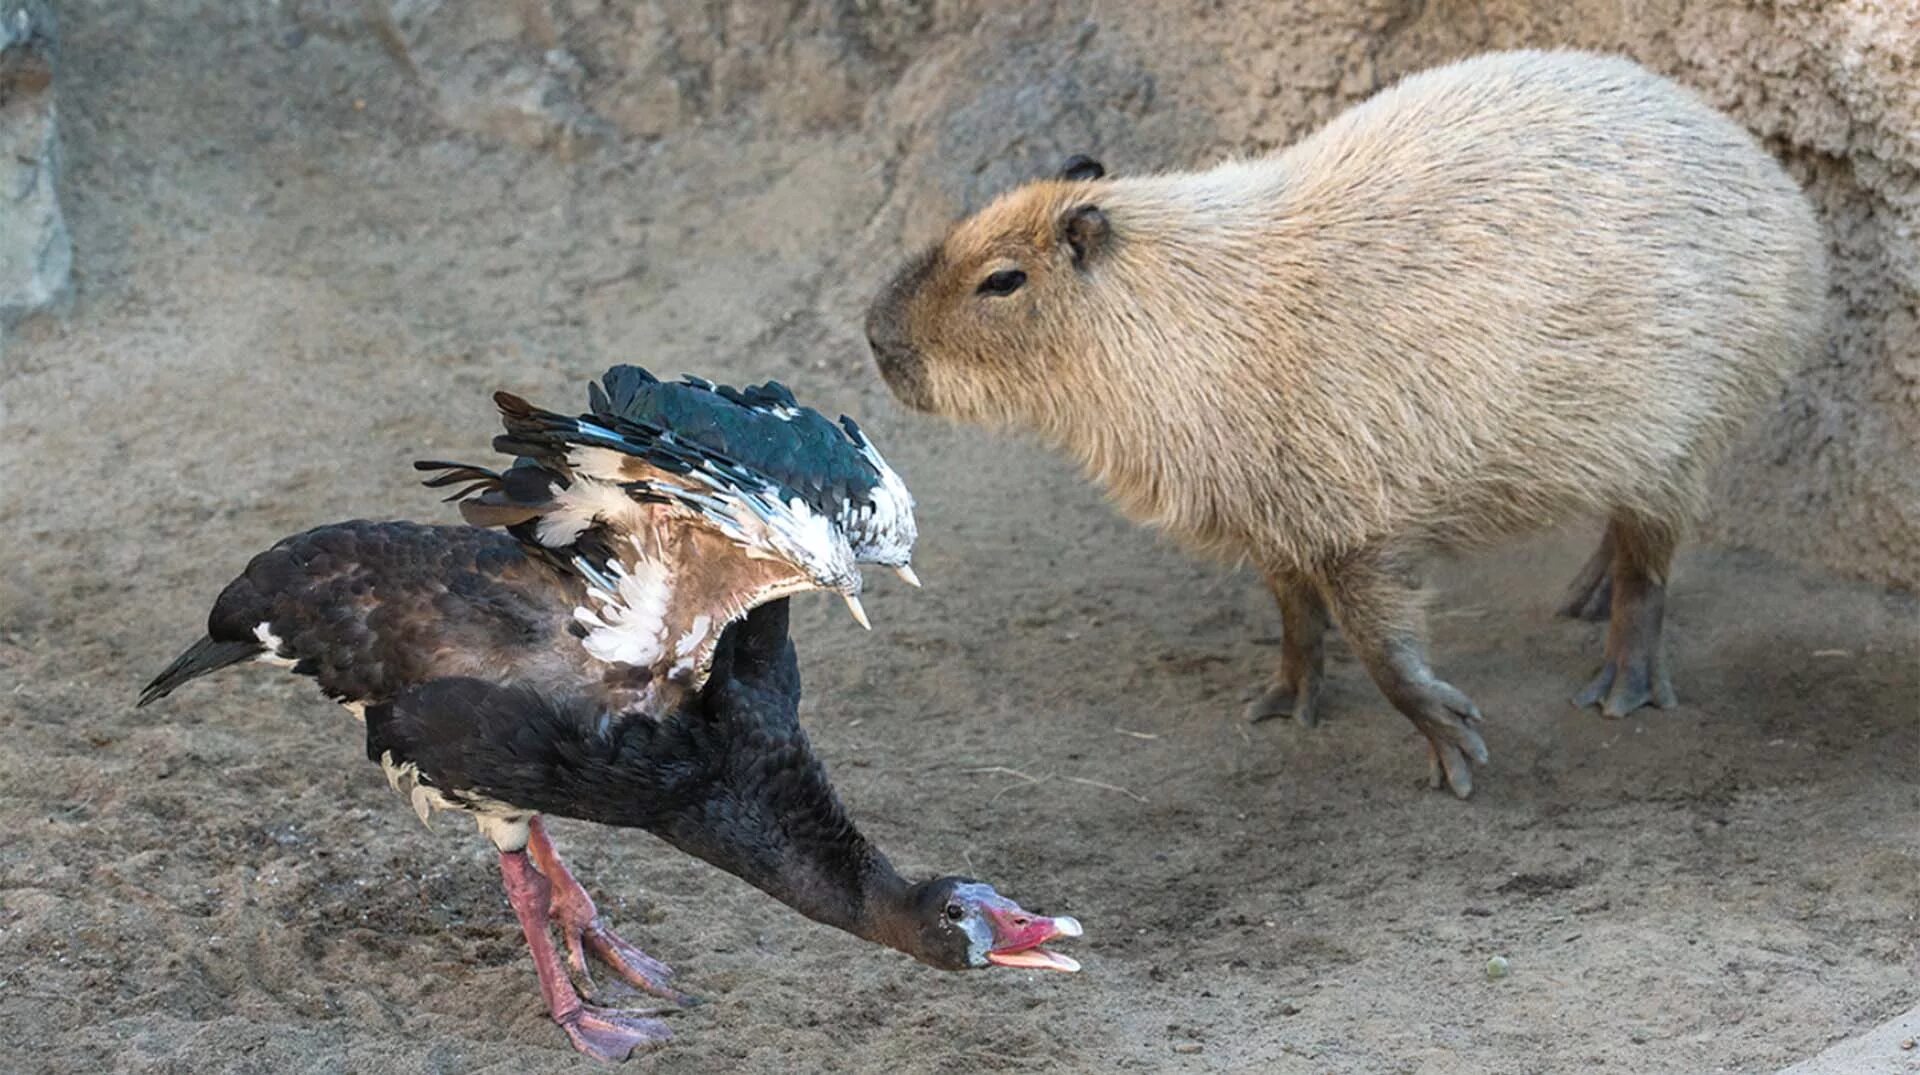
point(1295, 690)
point(1374, 596)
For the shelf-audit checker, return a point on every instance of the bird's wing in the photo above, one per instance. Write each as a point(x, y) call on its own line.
point(663, 601)
point(603, 460)
point(835, 469)
point(673, 540)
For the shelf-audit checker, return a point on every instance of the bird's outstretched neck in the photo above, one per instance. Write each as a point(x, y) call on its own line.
point(847, 884)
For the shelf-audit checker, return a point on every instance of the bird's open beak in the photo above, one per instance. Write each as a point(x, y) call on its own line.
point(1018, 936)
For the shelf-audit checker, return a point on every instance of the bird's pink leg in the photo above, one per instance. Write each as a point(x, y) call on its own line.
point(604, 1033)
point(585, 931)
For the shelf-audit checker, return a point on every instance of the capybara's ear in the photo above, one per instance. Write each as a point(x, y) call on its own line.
point(1085, 228)
point(1080, 166)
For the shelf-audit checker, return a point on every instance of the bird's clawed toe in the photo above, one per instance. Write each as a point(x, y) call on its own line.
point(628, 961)
point(611, 1034)
point(586, 933)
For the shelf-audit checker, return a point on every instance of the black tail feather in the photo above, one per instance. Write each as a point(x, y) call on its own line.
point(471, 478)
point(507, 498)
point(202, 657)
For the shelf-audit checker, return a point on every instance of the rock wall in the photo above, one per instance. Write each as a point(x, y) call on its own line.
point(956, 99)
point(36, 255)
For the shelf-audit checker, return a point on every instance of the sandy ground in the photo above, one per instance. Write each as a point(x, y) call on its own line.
point(284, 298)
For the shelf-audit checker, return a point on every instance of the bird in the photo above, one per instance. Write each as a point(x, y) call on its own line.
point(484, 690)
point(661, 481)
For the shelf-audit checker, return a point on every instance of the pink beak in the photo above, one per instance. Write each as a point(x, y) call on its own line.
point(1018, 936)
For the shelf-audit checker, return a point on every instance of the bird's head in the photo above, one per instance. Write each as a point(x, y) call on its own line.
point(957, 923)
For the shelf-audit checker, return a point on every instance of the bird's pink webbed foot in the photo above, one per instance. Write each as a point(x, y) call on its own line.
point(603, 1033)
point(585, 931)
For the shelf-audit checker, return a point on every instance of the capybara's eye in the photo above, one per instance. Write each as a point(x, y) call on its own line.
point(1004, 282)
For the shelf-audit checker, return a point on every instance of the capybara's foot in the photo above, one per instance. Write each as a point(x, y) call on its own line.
point(1375, 597)
point(1635, 670)
point(1295, 692)
point(1627, 683)
point(1451, 723)
point(1299, 700)
point(1632, 678)
point(1590, 596)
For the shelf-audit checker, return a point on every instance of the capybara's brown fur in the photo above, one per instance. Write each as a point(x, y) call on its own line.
point(1521, 288)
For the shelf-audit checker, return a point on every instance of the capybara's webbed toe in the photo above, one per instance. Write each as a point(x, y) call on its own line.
point(1451, 723)
point(1635, 670)
point(1299, 700)
point(1632, 678)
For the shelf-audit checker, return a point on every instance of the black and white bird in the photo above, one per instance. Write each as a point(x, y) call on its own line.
point(492, 671)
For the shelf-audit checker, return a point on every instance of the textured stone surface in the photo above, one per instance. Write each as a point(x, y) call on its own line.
point(36, 254)
point(1888, 1049)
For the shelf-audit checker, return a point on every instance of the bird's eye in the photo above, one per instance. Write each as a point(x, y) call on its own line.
point(1004, 282)
point(955, 912)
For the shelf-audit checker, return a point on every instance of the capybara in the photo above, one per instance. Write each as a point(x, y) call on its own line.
point(1518, 289)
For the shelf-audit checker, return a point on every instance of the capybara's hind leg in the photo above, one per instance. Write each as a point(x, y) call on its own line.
point(1590, 596)
point(1635, 671)
point(1375, 599)
point(1295, 690)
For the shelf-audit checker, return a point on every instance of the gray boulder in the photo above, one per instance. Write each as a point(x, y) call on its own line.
point(36, 255)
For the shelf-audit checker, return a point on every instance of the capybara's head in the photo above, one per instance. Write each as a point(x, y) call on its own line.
point(987, 324)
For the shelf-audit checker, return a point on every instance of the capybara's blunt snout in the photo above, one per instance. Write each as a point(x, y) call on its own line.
point(903, 372)
point(899, 362)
